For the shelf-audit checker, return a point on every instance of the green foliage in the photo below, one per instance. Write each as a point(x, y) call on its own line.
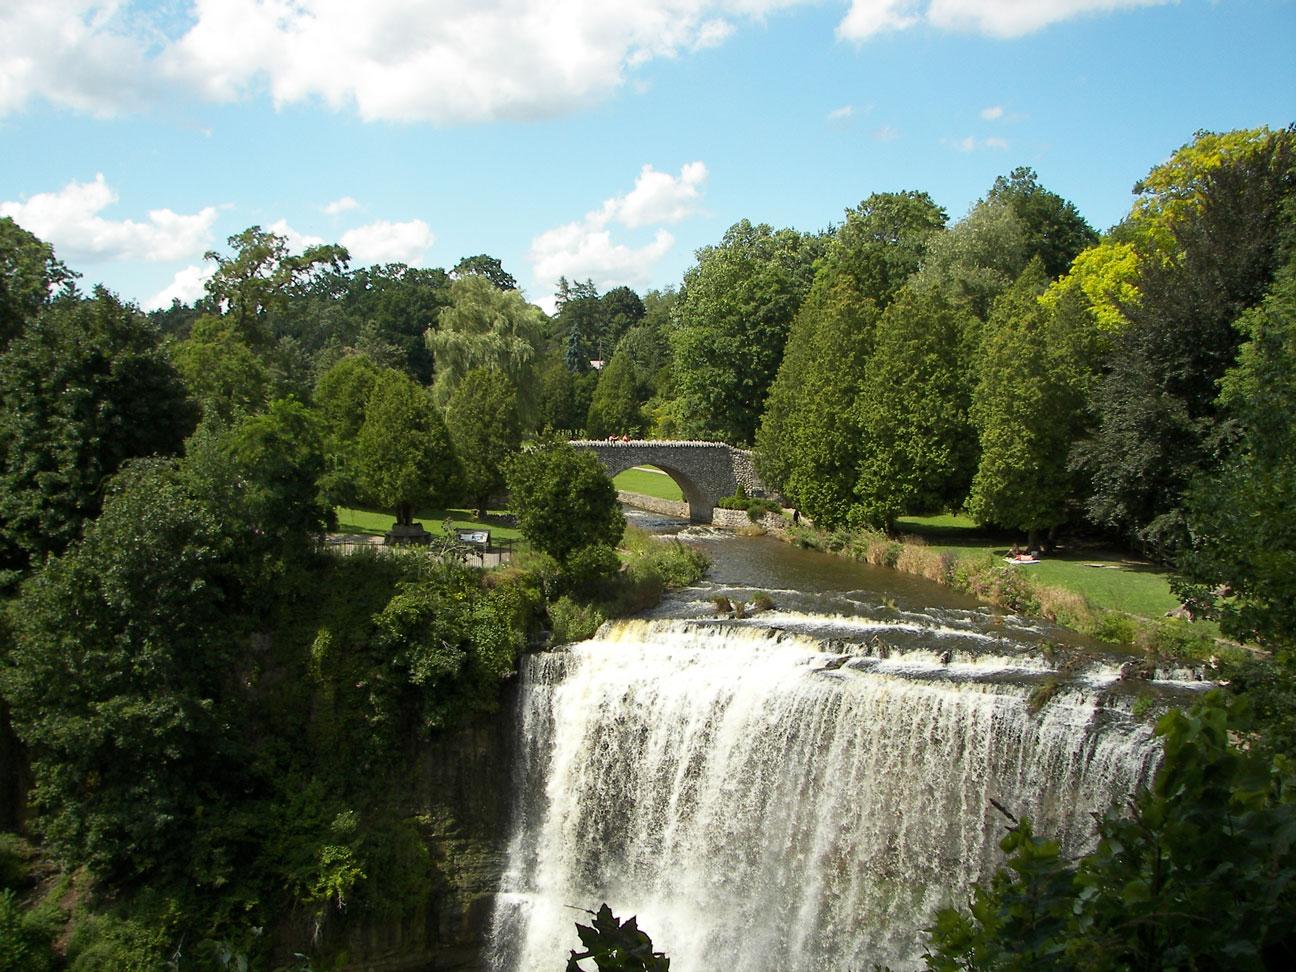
point(563, 499)
point(918, 448)
point(810, 442)
point(614, 409)
point(1198, 875)
point(1055, 230)
point(574, 621)
point(1028, 407)
point(220, 371)
point(83, 389)
point(25, 936)
point(482, 418)
point(256, 284)
point(484, 265)
point(1240, 513)
point(29, 275)
point(485, 327)
point(616, 946)
point(403, 454)
point(1158, 417)
point(124, 713)
point(339, 399)
point(733, 316)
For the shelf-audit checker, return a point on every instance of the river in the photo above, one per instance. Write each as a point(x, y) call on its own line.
point(799, 789)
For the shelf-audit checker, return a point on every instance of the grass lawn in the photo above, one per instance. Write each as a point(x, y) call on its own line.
point(1118, 582)
point(375, 522)
point(648, 481)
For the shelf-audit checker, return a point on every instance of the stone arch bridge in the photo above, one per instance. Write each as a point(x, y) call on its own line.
point(704, 471)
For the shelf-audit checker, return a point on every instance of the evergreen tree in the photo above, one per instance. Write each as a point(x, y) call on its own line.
point(615, 410)
point(485, 431)
point(918, 449)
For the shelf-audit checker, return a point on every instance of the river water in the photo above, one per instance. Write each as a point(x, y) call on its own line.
point(798, 790)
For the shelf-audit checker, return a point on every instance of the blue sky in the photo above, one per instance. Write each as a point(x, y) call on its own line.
point(606, 140)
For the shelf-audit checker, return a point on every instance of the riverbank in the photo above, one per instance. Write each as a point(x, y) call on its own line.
point(1123, 604)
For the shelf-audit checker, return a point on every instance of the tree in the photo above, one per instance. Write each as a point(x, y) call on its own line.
point(1055, 230)
point(581, 322)
point(563, 499)
point(732, 321)
point(918, 449)
point(403, 455)
point(262, 475)
point(485, 327)
point(487, 267)
point(83, 389)
point(1156, 408)
point(977, 258)
point(1240, 513)
point(255, 284)
point(614, 410)
point(485, 430)
point(562, 396)
point(809, 444)
point(883, 240)
point(340, 398)
point(125, 713)
point(222, 373)
point(30, 277)
point(1027, 407)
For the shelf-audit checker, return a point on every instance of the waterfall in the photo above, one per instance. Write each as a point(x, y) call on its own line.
point(764, 804)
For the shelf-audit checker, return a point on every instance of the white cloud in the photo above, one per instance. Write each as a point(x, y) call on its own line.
point(443, 61)
point(657, 197)
point(579, 253)
point(70, 220)
point(971, 143)
point(339, 206)
point(186, 286)
point(297, 242)
point(440, 60)
point(995, 18)
point(886, 134)
point(78, 54)
point(868, 17)
point(841, 114)
point(585, 248)
point(993, 113)
point(386, 242)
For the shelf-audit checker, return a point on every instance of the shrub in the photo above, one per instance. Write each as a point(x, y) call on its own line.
point(573, 621)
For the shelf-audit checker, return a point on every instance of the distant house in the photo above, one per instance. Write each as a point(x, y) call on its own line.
point(597, 365)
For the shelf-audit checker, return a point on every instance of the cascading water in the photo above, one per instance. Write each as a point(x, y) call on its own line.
point(797, 792)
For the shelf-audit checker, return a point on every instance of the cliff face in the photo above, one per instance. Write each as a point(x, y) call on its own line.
point(459, 788)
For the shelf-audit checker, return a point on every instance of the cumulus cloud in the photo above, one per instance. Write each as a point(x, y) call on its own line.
point(841, 114)
point(443, 61)
point(339, 206)
point(78, 54)
point(995, 18)
point(70, 219)
point(297, 242)
point(585, 248)
point(387, 242)
point(426, 60)
point(993, 113)
point(186, 286)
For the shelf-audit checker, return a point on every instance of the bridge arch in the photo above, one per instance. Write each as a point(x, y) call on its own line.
point(704, 471)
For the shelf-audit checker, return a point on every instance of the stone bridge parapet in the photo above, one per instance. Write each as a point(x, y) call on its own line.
point(704, 471)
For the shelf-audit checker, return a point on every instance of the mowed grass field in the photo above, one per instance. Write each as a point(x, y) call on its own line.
point(648, 481)
point(374, 522)
point(1109, 578)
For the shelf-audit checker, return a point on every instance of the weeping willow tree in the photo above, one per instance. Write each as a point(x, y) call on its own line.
point(485, 327)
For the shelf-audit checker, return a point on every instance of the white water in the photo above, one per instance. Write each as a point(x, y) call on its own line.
point(761, 811)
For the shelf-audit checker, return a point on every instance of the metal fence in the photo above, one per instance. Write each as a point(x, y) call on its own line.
point(496, 553)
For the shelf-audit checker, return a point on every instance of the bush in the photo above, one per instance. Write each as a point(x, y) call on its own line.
point(573, 621)
point(589, 571)
point(25, 936)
